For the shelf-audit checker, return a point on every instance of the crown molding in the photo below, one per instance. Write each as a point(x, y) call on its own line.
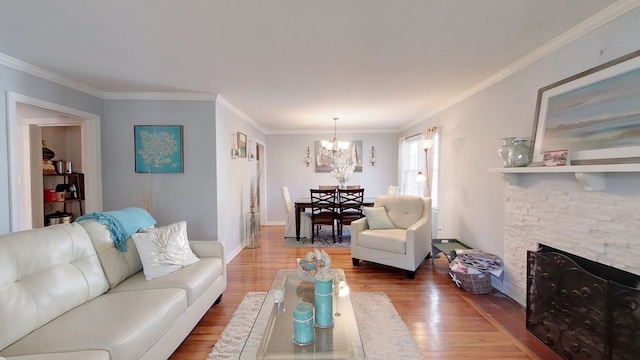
point(159, 96)
point(47, 75)
point(229, 106)
point(356, 132)
point(608, 14)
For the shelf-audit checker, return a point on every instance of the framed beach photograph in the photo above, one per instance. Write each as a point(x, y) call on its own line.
point(242, 145)
point(594, 115)
point(158, 148)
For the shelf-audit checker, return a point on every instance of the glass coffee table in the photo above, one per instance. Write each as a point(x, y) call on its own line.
point(272, 334)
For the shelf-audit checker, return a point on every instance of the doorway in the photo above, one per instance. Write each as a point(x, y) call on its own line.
point(25, 114)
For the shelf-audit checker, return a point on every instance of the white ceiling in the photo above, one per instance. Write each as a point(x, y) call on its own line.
point(290, 65)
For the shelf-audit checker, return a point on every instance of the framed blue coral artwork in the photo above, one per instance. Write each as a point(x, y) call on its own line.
point(158, 148)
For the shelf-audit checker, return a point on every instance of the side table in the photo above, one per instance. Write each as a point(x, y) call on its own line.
point(447, 247)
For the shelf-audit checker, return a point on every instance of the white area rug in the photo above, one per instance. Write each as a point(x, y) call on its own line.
point(384, 335)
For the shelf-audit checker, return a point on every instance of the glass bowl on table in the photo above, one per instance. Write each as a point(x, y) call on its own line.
point(313, 263)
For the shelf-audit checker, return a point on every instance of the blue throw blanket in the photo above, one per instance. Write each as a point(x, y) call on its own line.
point(122, 223)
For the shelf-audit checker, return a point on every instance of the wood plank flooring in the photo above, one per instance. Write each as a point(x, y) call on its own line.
point(446, 322)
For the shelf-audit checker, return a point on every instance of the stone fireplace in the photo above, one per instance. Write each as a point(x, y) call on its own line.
point(580, 308)
point(601, 226)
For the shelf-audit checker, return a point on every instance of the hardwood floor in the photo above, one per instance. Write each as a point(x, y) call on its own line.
point(445, 321)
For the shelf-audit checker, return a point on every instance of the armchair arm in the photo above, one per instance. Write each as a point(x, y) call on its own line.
point(358, 226)
point(419, 239)
point(420, 225)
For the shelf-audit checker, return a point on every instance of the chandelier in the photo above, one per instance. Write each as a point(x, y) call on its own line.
point(335, 149)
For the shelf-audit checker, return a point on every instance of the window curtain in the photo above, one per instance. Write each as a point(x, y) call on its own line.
point(401, 164)
point(431, 147)
point(428, 143)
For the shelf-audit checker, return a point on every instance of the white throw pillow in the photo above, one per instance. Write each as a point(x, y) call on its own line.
point(164, 250)
point(377, 218)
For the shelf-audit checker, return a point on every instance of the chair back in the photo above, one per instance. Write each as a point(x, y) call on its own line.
point(327, 187)
point(350, 203)
point(287, 200)
point(323, 206)
point(403, 210)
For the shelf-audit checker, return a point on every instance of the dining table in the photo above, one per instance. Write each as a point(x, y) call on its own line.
point(305, 203)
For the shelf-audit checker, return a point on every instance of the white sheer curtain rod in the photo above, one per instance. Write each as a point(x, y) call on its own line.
point(412, 136)
point(424, 132)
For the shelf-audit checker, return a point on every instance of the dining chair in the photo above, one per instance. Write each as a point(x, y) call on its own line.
point(393, 190)
point(350, 207)
point(327, 187)
point(305, 218)
point(323, 211)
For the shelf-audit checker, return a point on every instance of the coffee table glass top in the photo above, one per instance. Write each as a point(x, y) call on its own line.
point(272, 334)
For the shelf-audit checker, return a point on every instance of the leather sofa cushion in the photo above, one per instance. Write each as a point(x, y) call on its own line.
point(390, 240)
point(117, 265)
point(43, 274)
point(76, 355)
point(125, 324)
point(403, 210)
point(195, 279)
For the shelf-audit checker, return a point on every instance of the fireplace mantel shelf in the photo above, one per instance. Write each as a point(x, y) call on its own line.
point(592, 177)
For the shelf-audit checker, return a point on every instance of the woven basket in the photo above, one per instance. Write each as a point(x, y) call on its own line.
point(473, 283)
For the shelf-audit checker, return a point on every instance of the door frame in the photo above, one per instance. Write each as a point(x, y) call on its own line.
point(19, 151)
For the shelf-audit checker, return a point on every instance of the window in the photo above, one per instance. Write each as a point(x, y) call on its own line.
point(412, 155)
point(413, 160)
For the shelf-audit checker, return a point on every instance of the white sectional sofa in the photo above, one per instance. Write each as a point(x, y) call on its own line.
point(67, 293)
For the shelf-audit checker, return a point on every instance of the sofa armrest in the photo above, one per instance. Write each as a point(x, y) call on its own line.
point(210, 248)
point(207, 248)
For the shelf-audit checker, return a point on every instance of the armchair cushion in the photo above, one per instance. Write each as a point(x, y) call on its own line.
point(377, 218)
point(391, 240)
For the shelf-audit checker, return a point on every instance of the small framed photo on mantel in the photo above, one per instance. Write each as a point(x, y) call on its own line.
point(555, 158)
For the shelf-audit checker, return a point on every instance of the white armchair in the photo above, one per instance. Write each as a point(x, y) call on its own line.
point(399, 235)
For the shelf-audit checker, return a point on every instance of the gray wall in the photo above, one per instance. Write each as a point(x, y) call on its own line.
point(472, 200)
point(25, 84)
point(189, 196)
point(286, 167)
point(233, 177)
